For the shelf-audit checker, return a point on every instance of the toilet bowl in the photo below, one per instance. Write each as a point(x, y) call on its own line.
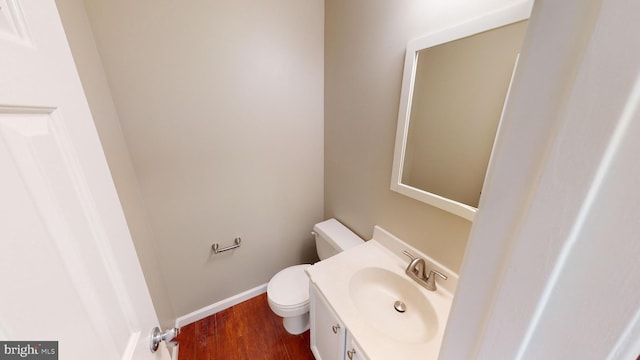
point(288, 290)
point(288, 297)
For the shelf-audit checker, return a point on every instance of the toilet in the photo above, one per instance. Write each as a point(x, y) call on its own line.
point(288, 290)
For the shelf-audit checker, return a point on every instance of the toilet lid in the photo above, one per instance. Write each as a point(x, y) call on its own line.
point(289, 287)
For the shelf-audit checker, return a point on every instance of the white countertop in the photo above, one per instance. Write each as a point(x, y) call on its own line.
point(332, 276)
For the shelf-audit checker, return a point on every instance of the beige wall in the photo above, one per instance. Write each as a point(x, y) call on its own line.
point(365, 43)
point(221, 108)
point(96, 88)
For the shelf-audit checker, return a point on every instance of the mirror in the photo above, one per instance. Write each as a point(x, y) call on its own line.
point(453, 92)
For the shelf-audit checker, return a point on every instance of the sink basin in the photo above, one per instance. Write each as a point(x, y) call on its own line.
point(374, 292)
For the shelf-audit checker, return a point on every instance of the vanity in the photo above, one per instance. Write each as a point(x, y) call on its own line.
point(365, 306)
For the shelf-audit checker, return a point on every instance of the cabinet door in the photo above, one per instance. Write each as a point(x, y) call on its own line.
point(327, 332)
point(352, 351)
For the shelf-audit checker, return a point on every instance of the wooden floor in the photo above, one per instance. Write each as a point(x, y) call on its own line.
point(249, 330)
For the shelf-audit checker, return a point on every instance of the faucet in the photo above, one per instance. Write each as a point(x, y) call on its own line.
point(417, 269)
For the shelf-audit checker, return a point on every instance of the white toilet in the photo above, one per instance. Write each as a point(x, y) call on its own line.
point(288, 290)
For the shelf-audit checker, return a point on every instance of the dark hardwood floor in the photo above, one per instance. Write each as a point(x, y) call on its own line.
point(249, 330)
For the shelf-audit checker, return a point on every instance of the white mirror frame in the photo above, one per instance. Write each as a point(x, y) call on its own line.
point(514, 13)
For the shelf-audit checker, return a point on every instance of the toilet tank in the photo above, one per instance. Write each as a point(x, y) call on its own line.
point(332, 237)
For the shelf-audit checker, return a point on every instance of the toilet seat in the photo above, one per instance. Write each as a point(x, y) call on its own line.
point(288, 291)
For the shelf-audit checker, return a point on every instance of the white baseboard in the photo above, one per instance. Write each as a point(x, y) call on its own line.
point(219, 306)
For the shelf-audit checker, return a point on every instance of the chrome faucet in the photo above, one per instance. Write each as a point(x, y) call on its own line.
point(417, 269)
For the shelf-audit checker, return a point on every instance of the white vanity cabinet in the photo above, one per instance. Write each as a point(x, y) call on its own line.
point(327, 332)
point(330, 340)
point(352, 351)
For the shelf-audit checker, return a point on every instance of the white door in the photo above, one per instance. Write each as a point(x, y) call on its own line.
point(68, 266)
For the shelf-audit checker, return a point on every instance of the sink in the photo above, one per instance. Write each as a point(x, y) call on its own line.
point(361, 286)
point(374, 292)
